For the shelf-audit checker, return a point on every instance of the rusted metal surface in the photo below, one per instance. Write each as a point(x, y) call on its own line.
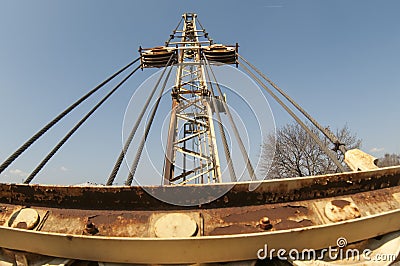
point(274, 208)
point(139, 198)
point(341, 210)
point(77, 210)
point(219, 220)
point(340, 203)
point(213, 248)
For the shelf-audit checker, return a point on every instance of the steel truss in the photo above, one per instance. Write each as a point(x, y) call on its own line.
point(191, 135)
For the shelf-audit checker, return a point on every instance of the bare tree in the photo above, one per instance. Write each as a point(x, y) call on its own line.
point(293, 153)
point(389, 160)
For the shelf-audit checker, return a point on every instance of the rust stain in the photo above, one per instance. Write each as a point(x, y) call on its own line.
point(340, 203)
point(234, 229)
point(22, 225)
point(273, 213)
point(290, 224)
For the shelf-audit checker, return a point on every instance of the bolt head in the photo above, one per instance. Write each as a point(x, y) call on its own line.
point(265, 220)
point(265, 223)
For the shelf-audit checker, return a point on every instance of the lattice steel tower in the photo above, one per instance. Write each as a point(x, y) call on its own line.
point(192, 152)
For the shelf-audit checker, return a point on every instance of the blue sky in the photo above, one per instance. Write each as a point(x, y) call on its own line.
point(339, 59)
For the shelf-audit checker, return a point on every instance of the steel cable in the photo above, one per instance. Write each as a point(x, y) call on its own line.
point(204, 30)
point(75, 128)
point(128, 141)
point(42, 131)
point(298, 120)
point(245, 155)
point(222, 131)
point(135, 163)
point(173, 32)
point(325, 131)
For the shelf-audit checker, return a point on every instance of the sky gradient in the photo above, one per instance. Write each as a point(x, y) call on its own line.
point(340, 60)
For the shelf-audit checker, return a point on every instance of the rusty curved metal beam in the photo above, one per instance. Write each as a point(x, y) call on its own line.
point(84, 222)
point(212, 249)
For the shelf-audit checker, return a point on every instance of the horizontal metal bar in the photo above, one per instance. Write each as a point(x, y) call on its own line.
point(196, 42)
point(181, 36)
point(192, 153)
point(192, 31)
point(185, 174)
point(196, 176)
point(190, 137)
point(192, 120)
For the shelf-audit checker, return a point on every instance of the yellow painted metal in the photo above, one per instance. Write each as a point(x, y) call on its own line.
point(358, 160)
